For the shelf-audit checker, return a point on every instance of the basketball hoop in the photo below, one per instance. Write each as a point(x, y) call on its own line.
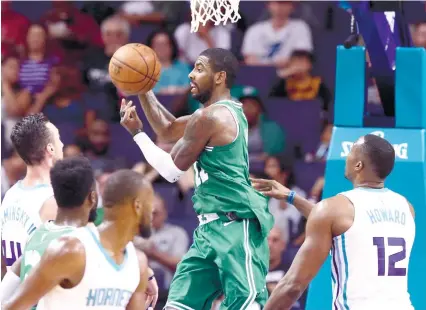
point(217, 11)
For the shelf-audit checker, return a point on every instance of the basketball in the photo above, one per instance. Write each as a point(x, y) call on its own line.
point(134, 68)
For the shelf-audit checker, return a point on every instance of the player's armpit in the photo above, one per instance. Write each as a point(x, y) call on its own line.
point(48, 210)
point(197, 134)
point(308, 260)
point(137, 301)
point(64, 259)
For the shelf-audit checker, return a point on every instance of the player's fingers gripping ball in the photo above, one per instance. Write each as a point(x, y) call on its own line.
point(134, 68)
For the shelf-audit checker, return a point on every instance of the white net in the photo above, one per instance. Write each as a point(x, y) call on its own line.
point(218, 11)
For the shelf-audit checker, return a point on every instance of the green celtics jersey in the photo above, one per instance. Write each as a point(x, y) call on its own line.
point(38, 243)
point(222, 177)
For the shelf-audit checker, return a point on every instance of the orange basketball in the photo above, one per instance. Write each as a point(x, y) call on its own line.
point(134, 68)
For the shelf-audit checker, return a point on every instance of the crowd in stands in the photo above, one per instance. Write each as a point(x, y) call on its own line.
point(55, 60)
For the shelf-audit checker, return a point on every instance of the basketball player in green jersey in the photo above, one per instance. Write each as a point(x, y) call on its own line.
point(230, 253)
point(73, 184)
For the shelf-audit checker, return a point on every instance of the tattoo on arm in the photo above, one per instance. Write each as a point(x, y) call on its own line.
point(162, 121)
point(197, 134)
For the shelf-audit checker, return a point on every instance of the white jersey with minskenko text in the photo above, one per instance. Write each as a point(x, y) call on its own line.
point(20, 216)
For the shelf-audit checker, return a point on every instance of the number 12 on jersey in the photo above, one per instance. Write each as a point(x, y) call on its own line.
point(379, 242)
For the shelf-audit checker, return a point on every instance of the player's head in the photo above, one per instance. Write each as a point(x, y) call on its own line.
point(73, 183)
point(371, 159)
point(127, 199)
point(37, 140)
point(215, 68)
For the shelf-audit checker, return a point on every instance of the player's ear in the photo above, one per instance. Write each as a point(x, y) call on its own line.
point(137, 206)
point(50, 149)
point(220, 77)
point(93, 198)
point(359, 165)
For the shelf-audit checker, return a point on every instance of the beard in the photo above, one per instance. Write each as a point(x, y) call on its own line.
point(205, 95)
point(145, 230)
point(93, 214)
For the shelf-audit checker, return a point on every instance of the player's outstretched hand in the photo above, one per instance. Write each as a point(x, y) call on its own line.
point(151, 294)
point(129, 118)
point(270, 188)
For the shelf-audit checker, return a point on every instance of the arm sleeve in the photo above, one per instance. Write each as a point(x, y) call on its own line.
point(157, 158)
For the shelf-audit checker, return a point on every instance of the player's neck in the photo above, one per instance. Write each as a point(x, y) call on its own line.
point(369, 184)
point(36, 175)
point(219, 96)
point(72, 217)
point(115, 235)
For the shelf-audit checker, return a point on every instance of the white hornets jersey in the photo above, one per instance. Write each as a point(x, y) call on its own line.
point(20, 216)
point(370, 261)
point(105, 284)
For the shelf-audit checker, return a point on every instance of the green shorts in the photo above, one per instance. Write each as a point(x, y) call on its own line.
point(230, 258)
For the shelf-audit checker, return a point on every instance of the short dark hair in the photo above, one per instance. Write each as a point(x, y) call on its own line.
point(30, 136)
point(121, 186)
point(173, 43)
point(303, 53)
point(72, 180)
point(223, 60)
point(380, 153)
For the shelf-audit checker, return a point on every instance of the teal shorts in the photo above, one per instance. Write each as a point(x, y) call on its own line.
point(230, 258)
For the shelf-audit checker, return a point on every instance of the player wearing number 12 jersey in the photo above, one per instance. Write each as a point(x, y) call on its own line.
point(370, 231)
point(30, 202)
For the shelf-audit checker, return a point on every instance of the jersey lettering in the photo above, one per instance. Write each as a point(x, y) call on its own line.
point(108, 297)
point(379, 242)
point(14, 251)
point(201, 175)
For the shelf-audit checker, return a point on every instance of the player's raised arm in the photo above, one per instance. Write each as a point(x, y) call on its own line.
point(63, 262)
point(165, 125)
point(272, 188)
point(308, 260)
point(171, 166)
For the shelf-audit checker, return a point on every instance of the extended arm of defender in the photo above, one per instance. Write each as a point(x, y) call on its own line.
point(308, 260)
point(165, 125)
point(186, 151)
point(63, 258)
point(272, 188)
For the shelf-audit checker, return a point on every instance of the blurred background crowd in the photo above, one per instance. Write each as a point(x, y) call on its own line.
point(55, 59)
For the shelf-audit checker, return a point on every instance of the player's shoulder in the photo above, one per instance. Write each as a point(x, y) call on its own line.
point(205, 116)
point(332, 207)
point(12, 192)
point(67, 247)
